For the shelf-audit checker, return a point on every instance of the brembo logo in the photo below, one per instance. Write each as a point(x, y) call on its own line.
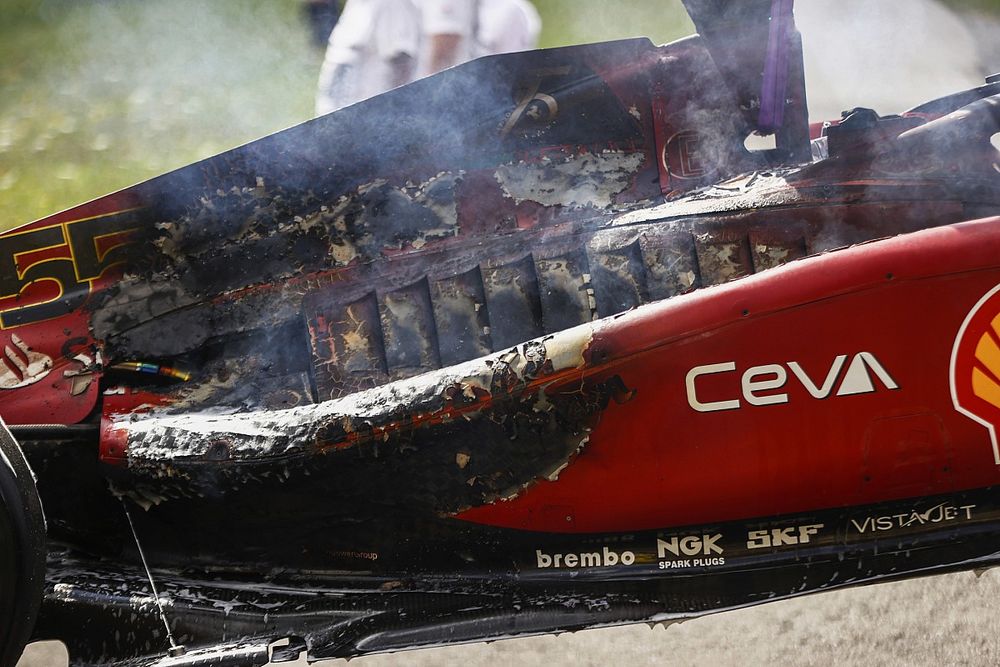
point(604, 558)
point(975, 366)
point(760, 385)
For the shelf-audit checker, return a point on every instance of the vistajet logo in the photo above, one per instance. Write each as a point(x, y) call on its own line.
point(760, 385)
point(603, 558)
point(942, 513)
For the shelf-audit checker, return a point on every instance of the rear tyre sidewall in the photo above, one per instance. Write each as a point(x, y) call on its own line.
point(22, 550)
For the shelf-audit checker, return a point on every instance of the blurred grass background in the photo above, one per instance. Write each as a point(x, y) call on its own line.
point(96, 95)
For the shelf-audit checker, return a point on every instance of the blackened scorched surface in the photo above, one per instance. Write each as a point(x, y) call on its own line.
point(415, 450)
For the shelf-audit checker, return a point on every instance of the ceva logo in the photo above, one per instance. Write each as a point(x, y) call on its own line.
point(759, 385)
point(975, 366)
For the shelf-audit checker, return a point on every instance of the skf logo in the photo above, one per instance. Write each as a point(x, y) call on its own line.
point(759, 385)
point(779, 537)
point(975, 366)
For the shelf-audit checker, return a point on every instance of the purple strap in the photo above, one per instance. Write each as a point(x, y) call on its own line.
point(775, 84)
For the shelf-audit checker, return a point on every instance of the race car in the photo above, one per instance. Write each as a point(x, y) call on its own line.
point(534, 344)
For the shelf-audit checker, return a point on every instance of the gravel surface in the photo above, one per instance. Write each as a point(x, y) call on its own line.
point(949, 619)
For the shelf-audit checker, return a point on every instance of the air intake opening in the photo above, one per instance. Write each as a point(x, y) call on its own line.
point(757, 142)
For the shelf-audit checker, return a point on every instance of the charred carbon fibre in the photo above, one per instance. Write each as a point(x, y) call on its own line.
point(512, 583)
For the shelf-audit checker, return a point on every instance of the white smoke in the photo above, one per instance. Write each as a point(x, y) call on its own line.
point(885, 54)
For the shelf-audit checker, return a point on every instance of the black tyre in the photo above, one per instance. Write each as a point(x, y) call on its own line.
point(22, 550)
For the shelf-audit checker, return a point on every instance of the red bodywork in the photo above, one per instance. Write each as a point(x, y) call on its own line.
point(656, 461)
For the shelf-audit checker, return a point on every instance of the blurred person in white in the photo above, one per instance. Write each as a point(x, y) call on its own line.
point(455, 31)
point(373, 48)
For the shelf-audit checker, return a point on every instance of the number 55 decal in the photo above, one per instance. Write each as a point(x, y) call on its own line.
point(49, 272)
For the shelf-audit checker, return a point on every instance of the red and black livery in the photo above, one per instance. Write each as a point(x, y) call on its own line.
point(535, 344)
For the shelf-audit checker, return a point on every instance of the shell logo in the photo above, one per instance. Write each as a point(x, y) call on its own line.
point(975, 366)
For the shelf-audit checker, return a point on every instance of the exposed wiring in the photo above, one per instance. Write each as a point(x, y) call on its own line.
point(152, 369)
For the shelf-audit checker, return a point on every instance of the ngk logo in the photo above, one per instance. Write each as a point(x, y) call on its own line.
point(692, 545)
point(760, 385)
point(21, 366)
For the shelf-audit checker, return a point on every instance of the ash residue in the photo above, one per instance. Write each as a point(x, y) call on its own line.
point(405, 435)
point(591, 179)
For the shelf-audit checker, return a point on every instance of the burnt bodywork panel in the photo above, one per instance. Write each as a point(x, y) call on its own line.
point(503, 365)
